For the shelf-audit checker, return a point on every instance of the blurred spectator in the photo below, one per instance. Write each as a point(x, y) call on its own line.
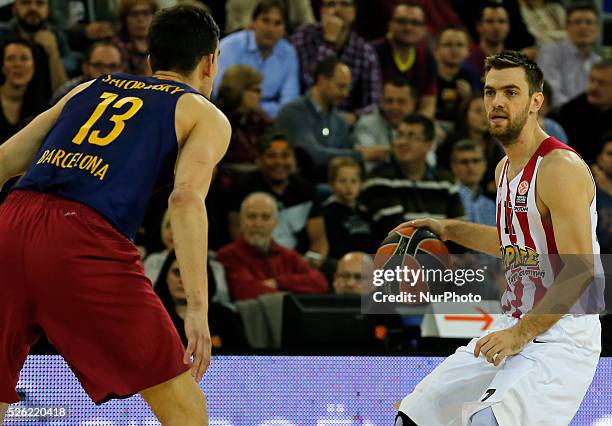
point(256, 264)
point(225, 325)
point(103, 57)
point(380, 127)
point(347, 228)
point(470, 13)
point(263, 48)
point(299, 223)
point(298, 12)
point(335, 37)
point(549, 125)
point(472, 123)
point(493, 27)
point(545, 20)
point(354, 274)
point(21, 97)
point(469, 165)
point(30, 22)
point(135, 17)
point(316, 128)
point(404, 53)
point(602, 173)
point(456, 78)
point(566, 64)
point(84, 21)
point(587, 117)
point(406, 187)
point(155, 261)
point(239, 98)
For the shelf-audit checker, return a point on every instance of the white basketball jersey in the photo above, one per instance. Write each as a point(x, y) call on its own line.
point(524, 235)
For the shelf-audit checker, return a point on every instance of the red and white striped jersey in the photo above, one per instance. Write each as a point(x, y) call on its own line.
point(524, 235)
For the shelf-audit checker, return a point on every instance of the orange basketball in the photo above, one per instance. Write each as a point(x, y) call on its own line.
point(411, 249)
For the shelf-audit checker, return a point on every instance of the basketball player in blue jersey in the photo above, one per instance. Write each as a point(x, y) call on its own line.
point(67, 265)
point(535, 364)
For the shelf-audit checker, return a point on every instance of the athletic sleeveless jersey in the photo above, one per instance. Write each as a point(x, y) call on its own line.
point(111, 146)
point(524, 234)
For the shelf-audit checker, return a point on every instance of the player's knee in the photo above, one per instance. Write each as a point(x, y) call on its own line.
point(403, 420)
point(484, 418)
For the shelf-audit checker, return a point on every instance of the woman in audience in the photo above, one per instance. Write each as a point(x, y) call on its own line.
point(135, 17)
point(20, 94)
point(239, 97)
point(225, 325)
point(472, 123)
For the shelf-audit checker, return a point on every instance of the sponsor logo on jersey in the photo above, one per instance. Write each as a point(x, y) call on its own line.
point(521, 209)
point(514, 256)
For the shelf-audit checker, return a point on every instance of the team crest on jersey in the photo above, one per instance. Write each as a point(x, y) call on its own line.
point(514, 256)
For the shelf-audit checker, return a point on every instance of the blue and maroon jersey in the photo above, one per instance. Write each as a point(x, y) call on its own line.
point(111, 146)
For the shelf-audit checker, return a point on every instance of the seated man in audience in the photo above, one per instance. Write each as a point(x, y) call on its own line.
point(587, 117)
point(456, 78)
point(103, 57)
point(347, 228)
point(300, 225)
point(256, 264)
point(566, 64)
point(469, 165)
point(379, 128)
point(493, 28)
point(354, 274)
point(263, 48)
point(315, 126)
point(602, 173)
point(31, 22)
point(335, 37)
point(406, 187)
point(405, 54)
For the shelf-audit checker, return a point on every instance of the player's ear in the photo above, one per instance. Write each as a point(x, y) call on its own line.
point(149, 62)
point(537, 101)
point(207, 65)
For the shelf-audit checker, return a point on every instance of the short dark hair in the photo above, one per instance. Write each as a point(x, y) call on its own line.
point(490, 5)
point(514, 59)
point(270, 135)
point(429, 128)
point(581, 6)
point(464, 145)
point(548, 93)
point(403, 82)
point(453, 27)
point(410, 3)
point(264, 6)
point(326, 67)
point(101, 43)
point(180, 36)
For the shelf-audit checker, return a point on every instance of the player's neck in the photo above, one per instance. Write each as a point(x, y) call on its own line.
point(521, 151)
point(170, 75)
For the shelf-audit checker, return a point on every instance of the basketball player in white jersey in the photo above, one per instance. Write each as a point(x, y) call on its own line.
point(534, 366)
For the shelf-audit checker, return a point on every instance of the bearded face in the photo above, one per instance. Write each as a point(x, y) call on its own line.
point(32, 15)
point(505, 127)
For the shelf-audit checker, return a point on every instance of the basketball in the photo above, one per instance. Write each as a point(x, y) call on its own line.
point(411, 249)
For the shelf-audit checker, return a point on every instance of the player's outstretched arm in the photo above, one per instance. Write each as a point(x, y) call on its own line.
point(204, 132)
point(474, 236)
point(17, 153)
point(561, 173)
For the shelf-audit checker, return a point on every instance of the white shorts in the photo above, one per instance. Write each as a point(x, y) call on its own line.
point(542, 385)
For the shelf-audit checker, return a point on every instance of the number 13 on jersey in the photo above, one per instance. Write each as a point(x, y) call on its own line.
point(118, 119)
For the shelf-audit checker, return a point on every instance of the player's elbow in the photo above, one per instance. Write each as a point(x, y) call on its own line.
point(185, 198)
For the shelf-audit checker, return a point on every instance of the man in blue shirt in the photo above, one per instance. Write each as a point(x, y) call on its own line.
point(264, 48)
point(468, 164)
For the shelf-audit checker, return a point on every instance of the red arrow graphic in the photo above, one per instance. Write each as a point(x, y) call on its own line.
point(486, 318)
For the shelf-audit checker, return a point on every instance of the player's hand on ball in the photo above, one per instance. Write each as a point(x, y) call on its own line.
point(436, 226)
point(199, 342)
point(498, 345)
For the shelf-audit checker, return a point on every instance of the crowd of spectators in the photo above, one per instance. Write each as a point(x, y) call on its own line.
point(348, 117)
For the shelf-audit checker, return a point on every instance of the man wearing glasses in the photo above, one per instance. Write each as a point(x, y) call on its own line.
point(103, 57)
point(567, 64)
point(404, 54)
point(334, 36)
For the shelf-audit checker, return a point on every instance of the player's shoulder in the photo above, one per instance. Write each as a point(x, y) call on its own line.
point(562, 172)
point(562, 161)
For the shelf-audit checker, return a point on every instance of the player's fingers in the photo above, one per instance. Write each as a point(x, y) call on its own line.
point(197, 359)
point(479, 345)
point(500, 357)
point(188, 351)
point(489, 350)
